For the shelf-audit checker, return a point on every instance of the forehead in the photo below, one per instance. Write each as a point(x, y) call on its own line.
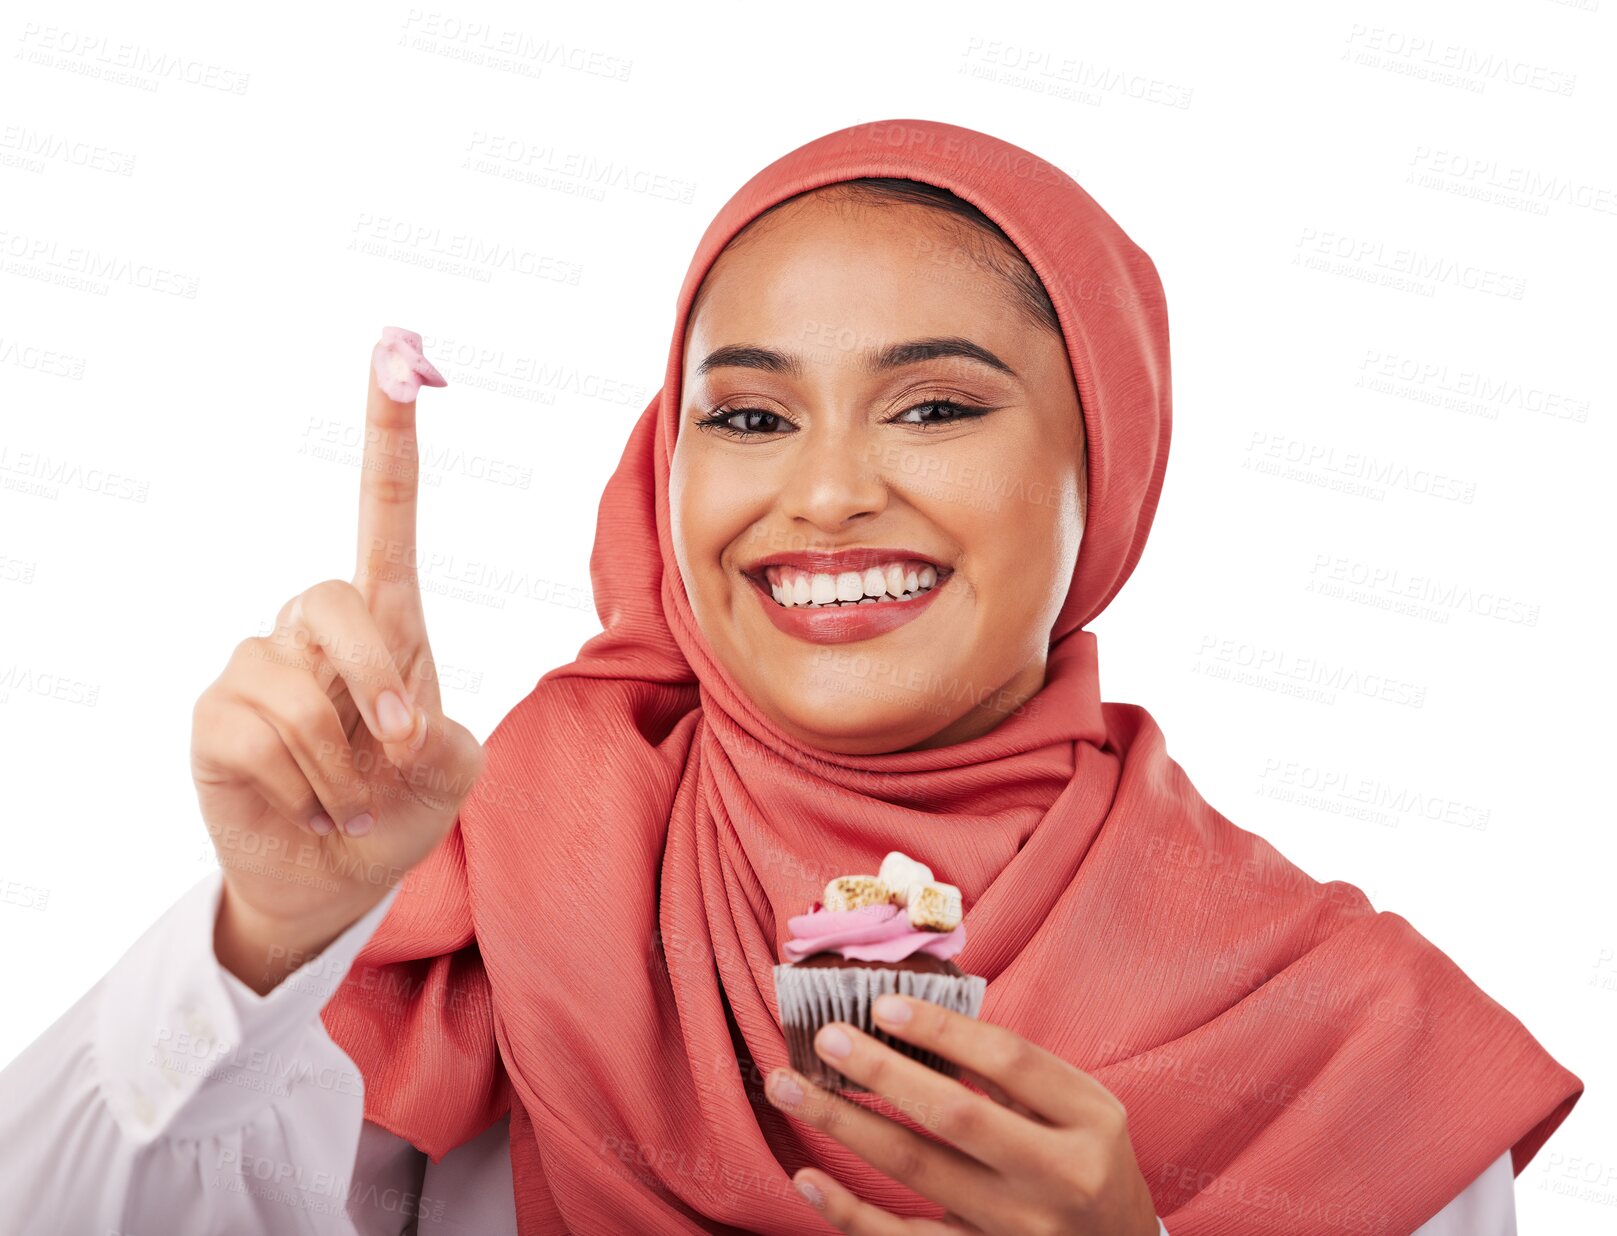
point(828, 278)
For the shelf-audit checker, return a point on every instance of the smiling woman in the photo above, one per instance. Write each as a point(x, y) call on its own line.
point(910, 441)
point(869, 367)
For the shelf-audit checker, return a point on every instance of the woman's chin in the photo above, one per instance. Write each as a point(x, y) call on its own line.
point(854, 714)
point(872, 737)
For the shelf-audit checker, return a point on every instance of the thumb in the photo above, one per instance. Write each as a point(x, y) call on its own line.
point(444, 762)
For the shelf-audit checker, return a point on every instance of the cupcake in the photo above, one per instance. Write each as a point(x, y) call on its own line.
point(894, 931)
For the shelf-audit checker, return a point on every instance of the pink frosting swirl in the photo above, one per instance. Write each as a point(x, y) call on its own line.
point(870, 933)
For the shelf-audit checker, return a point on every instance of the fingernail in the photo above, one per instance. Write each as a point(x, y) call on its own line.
point(810, 1194)
point(834, 1042)
point(893, 1010)
point(396, 719)
point(783, 1088)
point(359, 825)
point(321, 823)
point(421, 738)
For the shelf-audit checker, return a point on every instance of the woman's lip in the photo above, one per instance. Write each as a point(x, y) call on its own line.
point(843, 624)
point(836, 561)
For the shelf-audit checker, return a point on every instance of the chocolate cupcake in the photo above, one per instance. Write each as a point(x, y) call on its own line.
point(891, 932)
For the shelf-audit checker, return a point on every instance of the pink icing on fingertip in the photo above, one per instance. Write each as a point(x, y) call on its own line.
point(401, 369)
point(870, 933)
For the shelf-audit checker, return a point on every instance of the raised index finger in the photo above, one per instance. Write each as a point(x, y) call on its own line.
point(390, 471)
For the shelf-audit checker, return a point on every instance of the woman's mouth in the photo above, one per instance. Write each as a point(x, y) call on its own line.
point(893, 583)
point(843, 606)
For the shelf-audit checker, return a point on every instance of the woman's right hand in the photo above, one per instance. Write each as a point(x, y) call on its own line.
point(323, 762)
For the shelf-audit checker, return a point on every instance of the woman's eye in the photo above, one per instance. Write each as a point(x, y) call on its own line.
point(952, 412)
point(744, 422)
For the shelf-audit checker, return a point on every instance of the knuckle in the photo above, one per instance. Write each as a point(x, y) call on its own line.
point(842, 1213)
point(1081, 1175)
point(202, 713)
point(309, 716)
point(345, 788)
point(826, 1113)
point(284, 614)
point(302, 798)
point(1115, 1117)
point(329, 595)
point(906, 1162)
point(876, 1067)
point(332, 589)
point(861, 1219)
point(246, 652)
point(1046, 1223)
point(254, 748)
point(1008, 1055)
point(957, 1119)
point(393, 484)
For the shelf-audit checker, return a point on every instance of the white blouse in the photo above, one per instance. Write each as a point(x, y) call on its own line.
point(172, 1098)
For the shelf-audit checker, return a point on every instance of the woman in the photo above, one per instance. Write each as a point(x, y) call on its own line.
point(971, 385)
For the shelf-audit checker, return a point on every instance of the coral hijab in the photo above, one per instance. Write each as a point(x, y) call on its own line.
point(590, 947)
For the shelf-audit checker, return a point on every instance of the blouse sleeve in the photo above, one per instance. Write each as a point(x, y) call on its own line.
point(171, 1097)
point(1487, 1207)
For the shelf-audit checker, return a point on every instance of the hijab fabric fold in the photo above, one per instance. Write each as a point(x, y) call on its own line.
point(590, 948)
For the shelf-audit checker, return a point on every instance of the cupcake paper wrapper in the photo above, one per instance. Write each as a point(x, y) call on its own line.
point(811, 996)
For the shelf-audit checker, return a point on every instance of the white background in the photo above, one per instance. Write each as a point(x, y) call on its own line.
point(1386, 232)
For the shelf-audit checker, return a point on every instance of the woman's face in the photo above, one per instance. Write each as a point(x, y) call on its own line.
point(841, 431)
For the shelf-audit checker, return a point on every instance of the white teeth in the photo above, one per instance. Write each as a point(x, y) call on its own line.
point(874, 585)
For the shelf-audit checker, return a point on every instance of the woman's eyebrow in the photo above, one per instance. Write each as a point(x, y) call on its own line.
point(894, 356)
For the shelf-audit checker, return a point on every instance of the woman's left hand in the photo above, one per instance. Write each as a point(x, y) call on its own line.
point(1049, 1152)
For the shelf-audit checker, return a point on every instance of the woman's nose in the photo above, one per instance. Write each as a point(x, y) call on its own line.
point(835, 477)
